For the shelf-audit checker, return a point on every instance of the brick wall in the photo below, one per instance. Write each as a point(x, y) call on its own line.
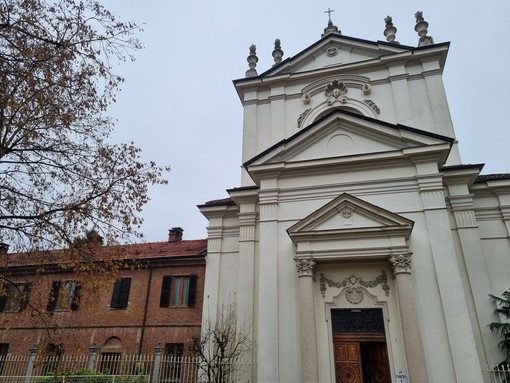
point(140, 326)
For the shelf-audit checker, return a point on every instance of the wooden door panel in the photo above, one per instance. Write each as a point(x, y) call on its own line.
point(348, 362)
point(377, 366)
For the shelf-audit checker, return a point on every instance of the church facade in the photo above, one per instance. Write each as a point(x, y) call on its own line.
point(359, 247)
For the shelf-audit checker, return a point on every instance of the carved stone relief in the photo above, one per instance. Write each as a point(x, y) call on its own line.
point(373, 106)
point(400, 263)
point(336, 91)
point(305, 266)
point(332, 51)
point(354, 287)
point(302, 116)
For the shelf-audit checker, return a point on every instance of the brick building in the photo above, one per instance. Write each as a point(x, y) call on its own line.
point(156, 298)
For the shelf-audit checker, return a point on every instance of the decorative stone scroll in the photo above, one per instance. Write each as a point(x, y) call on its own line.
point(353, 286)
point(401, 263)
point(305, 266)
point(373, 106)
point(302, 116)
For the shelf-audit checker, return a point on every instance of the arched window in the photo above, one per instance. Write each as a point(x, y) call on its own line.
point(110, 355)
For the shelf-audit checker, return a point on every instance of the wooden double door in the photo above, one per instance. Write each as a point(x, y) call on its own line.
point(361, 358)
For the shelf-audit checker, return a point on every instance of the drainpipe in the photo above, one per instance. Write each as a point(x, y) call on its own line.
point(139, 351)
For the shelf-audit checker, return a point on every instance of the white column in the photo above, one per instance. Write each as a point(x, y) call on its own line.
point(415, 355)
point(309, 359)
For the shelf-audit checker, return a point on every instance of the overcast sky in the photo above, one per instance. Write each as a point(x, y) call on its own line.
point(179, 105)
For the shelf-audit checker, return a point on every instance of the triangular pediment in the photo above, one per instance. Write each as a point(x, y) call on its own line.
point(349, 228)
point(347, 214)
point(335, 49)
point(342, 134)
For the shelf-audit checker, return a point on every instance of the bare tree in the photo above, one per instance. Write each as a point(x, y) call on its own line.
point(59, 173)
point(222, 345)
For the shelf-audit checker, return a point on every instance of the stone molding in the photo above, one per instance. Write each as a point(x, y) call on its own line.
point(247, 233)
point(268, 212)
point(465, 219)
point(433, 199)
point(305, 266)
point(400, 263)
point(213, 245)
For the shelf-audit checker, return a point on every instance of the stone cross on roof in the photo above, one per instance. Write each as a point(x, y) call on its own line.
point(330, 28)
point(329, 15)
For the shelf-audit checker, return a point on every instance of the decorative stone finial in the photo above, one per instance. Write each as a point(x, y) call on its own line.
point(421, 28)
point(277, 53)
point(330, 28)
point(252, 62)
point(390, 30)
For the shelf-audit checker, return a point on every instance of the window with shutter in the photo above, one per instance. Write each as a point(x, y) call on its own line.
point(52, 300)
point(120, 294)
point(14, 297)
point(63, 296)
point(178, 290)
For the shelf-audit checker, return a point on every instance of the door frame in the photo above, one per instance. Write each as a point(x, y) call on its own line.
point(376, 304)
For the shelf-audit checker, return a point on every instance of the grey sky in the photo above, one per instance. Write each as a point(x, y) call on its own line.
point(179, 105)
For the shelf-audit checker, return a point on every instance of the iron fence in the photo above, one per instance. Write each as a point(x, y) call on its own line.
point(497, 373)
point(115, 368)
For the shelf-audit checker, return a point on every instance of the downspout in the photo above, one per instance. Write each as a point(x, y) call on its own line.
point(139, 351)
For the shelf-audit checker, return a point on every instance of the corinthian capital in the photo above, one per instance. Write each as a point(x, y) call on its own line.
point(400, 263)
point(305, 266)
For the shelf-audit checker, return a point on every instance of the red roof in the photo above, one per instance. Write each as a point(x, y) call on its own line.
point(165, 249)
point(137, 251)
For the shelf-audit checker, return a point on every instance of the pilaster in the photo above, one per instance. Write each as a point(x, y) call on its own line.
point(476, 268)
point(398, 80)
point(309, 351)
point(460, 333)
point(267, 322)
point(413, 345)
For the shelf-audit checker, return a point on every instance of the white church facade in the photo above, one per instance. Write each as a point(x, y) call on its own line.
point(359, 247)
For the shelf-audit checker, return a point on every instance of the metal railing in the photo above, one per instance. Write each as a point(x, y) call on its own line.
point(79, 379)
point(497, 373)
point(115, 368)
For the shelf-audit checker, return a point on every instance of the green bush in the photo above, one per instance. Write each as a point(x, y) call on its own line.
point(84, 376)
point(77, 376)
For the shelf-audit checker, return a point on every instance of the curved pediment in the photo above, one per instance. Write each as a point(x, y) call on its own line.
point(342, 136)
